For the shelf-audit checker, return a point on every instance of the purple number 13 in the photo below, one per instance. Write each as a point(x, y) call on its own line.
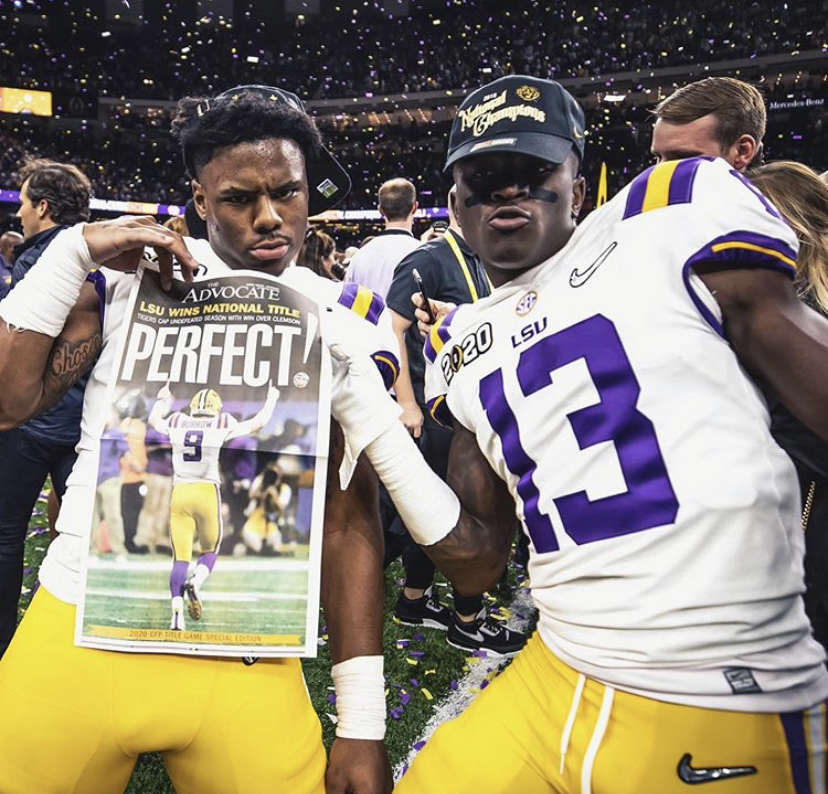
point(649, 500)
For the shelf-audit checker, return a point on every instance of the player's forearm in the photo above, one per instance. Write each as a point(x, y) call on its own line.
point(403, 387)
point(157, 418)
point(470, 549)
point(42, 351)
point(352, 588)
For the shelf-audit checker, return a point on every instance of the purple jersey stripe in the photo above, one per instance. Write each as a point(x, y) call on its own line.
point(439, 411)
point(388, 366)
point(635, 198)
point(98, 280)
point(428, 349)
point(681, 185)
point(375, 309)
point(744, 249)
point(444, 335)
point(349, 295)
point(794, 725)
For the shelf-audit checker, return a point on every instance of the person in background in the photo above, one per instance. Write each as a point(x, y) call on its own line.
point(802, 197)
point(52, 197)
point(8, 241)
point(318, 254)
point(715, 117)
point(374, 264)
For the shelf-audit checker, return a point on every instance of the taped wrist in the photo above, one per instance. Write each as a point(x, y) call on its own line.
point(43, 299)
point(360, 698)
point(427, 506)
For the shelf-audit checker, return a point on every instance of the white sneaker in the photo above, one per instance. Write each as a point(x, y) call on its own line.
point(177, 621)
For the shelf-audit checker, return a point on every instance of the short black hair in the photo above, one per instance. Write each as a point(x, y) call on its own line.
point(201, 126)
point(65, 187)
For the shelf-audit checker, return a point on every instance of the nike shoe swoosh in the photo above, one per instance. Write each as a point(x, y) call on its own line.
point(701, 774)
point(579, 277)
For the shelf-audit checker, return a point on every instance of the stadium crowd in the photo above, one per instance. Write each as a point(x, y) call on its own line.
point(354, 52)
point(131, 157)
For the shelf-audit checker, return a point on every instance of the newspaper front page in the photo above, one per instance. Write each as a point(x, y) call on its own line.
point(206, 537)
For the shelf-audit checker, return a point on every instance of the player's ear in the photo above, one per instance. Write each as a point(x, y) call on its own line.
point(578, 195)
point(199, 199)
point(744, 152)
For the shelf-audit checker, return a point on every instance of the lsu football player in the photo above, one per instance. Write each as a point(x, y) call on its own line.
point(258, 167)
point(605, 393)
point(195, 509)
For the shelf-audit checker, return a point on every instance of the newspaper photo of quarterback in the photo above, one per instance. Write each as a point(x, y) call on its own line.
point(218, 347)
point(197, 438)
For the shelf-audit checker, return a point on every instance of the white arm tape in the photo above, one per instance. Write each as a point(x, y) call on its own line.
point(360, 698)
point(428, 507)
point(43, 299)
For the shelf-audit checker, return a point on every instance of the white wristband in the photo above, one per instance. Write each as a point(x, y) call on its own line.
point(43, 299)
point(427, 506)
point(360, 698)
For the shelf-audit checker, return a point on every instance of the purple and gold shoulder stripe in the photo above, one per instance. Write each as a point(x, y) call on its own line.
point(362, 301)
point(439, 335)
point(662, 186)
point(744, 249)
point(388, 366)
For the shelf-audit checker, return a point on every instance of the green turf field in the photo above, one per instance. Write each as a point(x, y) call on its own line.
point(246, 595)
point(421, 670)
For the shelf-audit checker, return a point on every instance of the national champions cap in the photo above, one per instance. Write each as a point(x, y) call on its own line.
point(328, 182)
point(522, 114)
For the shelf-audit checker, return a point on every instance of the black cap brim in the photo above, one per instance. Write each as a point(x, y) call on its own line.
point(328, 183)
point(544, 146)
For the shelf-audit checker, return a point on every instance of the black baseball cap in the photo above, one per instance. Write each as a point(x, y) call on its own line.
point(328, 182)
point(521, 114)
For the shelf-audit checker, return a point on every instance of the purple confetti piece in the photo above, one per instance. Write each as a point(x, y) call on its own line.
point(419, 746)
point(414, 683)
point(416, 654)
point(454, 686)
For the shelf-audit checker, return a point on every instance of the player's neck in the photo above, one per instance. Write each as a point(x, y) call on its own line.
point(500, 275)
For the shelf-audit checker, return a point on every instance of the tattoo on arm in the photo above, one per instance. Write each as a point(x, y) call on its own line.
point(68, 362)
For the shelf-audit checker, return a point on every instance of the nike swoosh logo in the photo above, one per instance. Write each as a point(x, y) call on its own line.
point(577, 278)
point(701, 774)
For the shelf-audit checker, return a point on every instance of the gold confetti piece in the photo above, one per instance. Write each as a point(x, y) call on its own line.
point(470, 660)
point(428, 695)
point(430, 672)
point(412, 661)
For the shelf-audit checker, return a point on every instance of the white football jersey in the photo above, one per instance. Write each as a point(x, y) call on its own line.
point(196, 443)
point(666, 541)
point(352, 311)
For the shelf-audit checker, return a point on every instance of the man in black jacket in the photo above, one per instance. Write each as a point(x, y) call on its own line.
point(52, 197)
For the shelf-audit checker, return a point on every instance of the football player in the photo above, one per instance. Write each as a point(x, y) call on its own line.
point(258, 167)
point(606, 392)
point(195, 510)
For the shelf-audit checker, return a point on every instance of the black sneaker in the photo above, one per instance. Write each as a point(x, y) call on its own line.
point(485, 634)
point(425, 611)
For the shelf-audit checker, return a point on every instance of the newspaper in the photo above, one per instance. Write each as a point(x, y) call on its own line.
point(207, 531)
